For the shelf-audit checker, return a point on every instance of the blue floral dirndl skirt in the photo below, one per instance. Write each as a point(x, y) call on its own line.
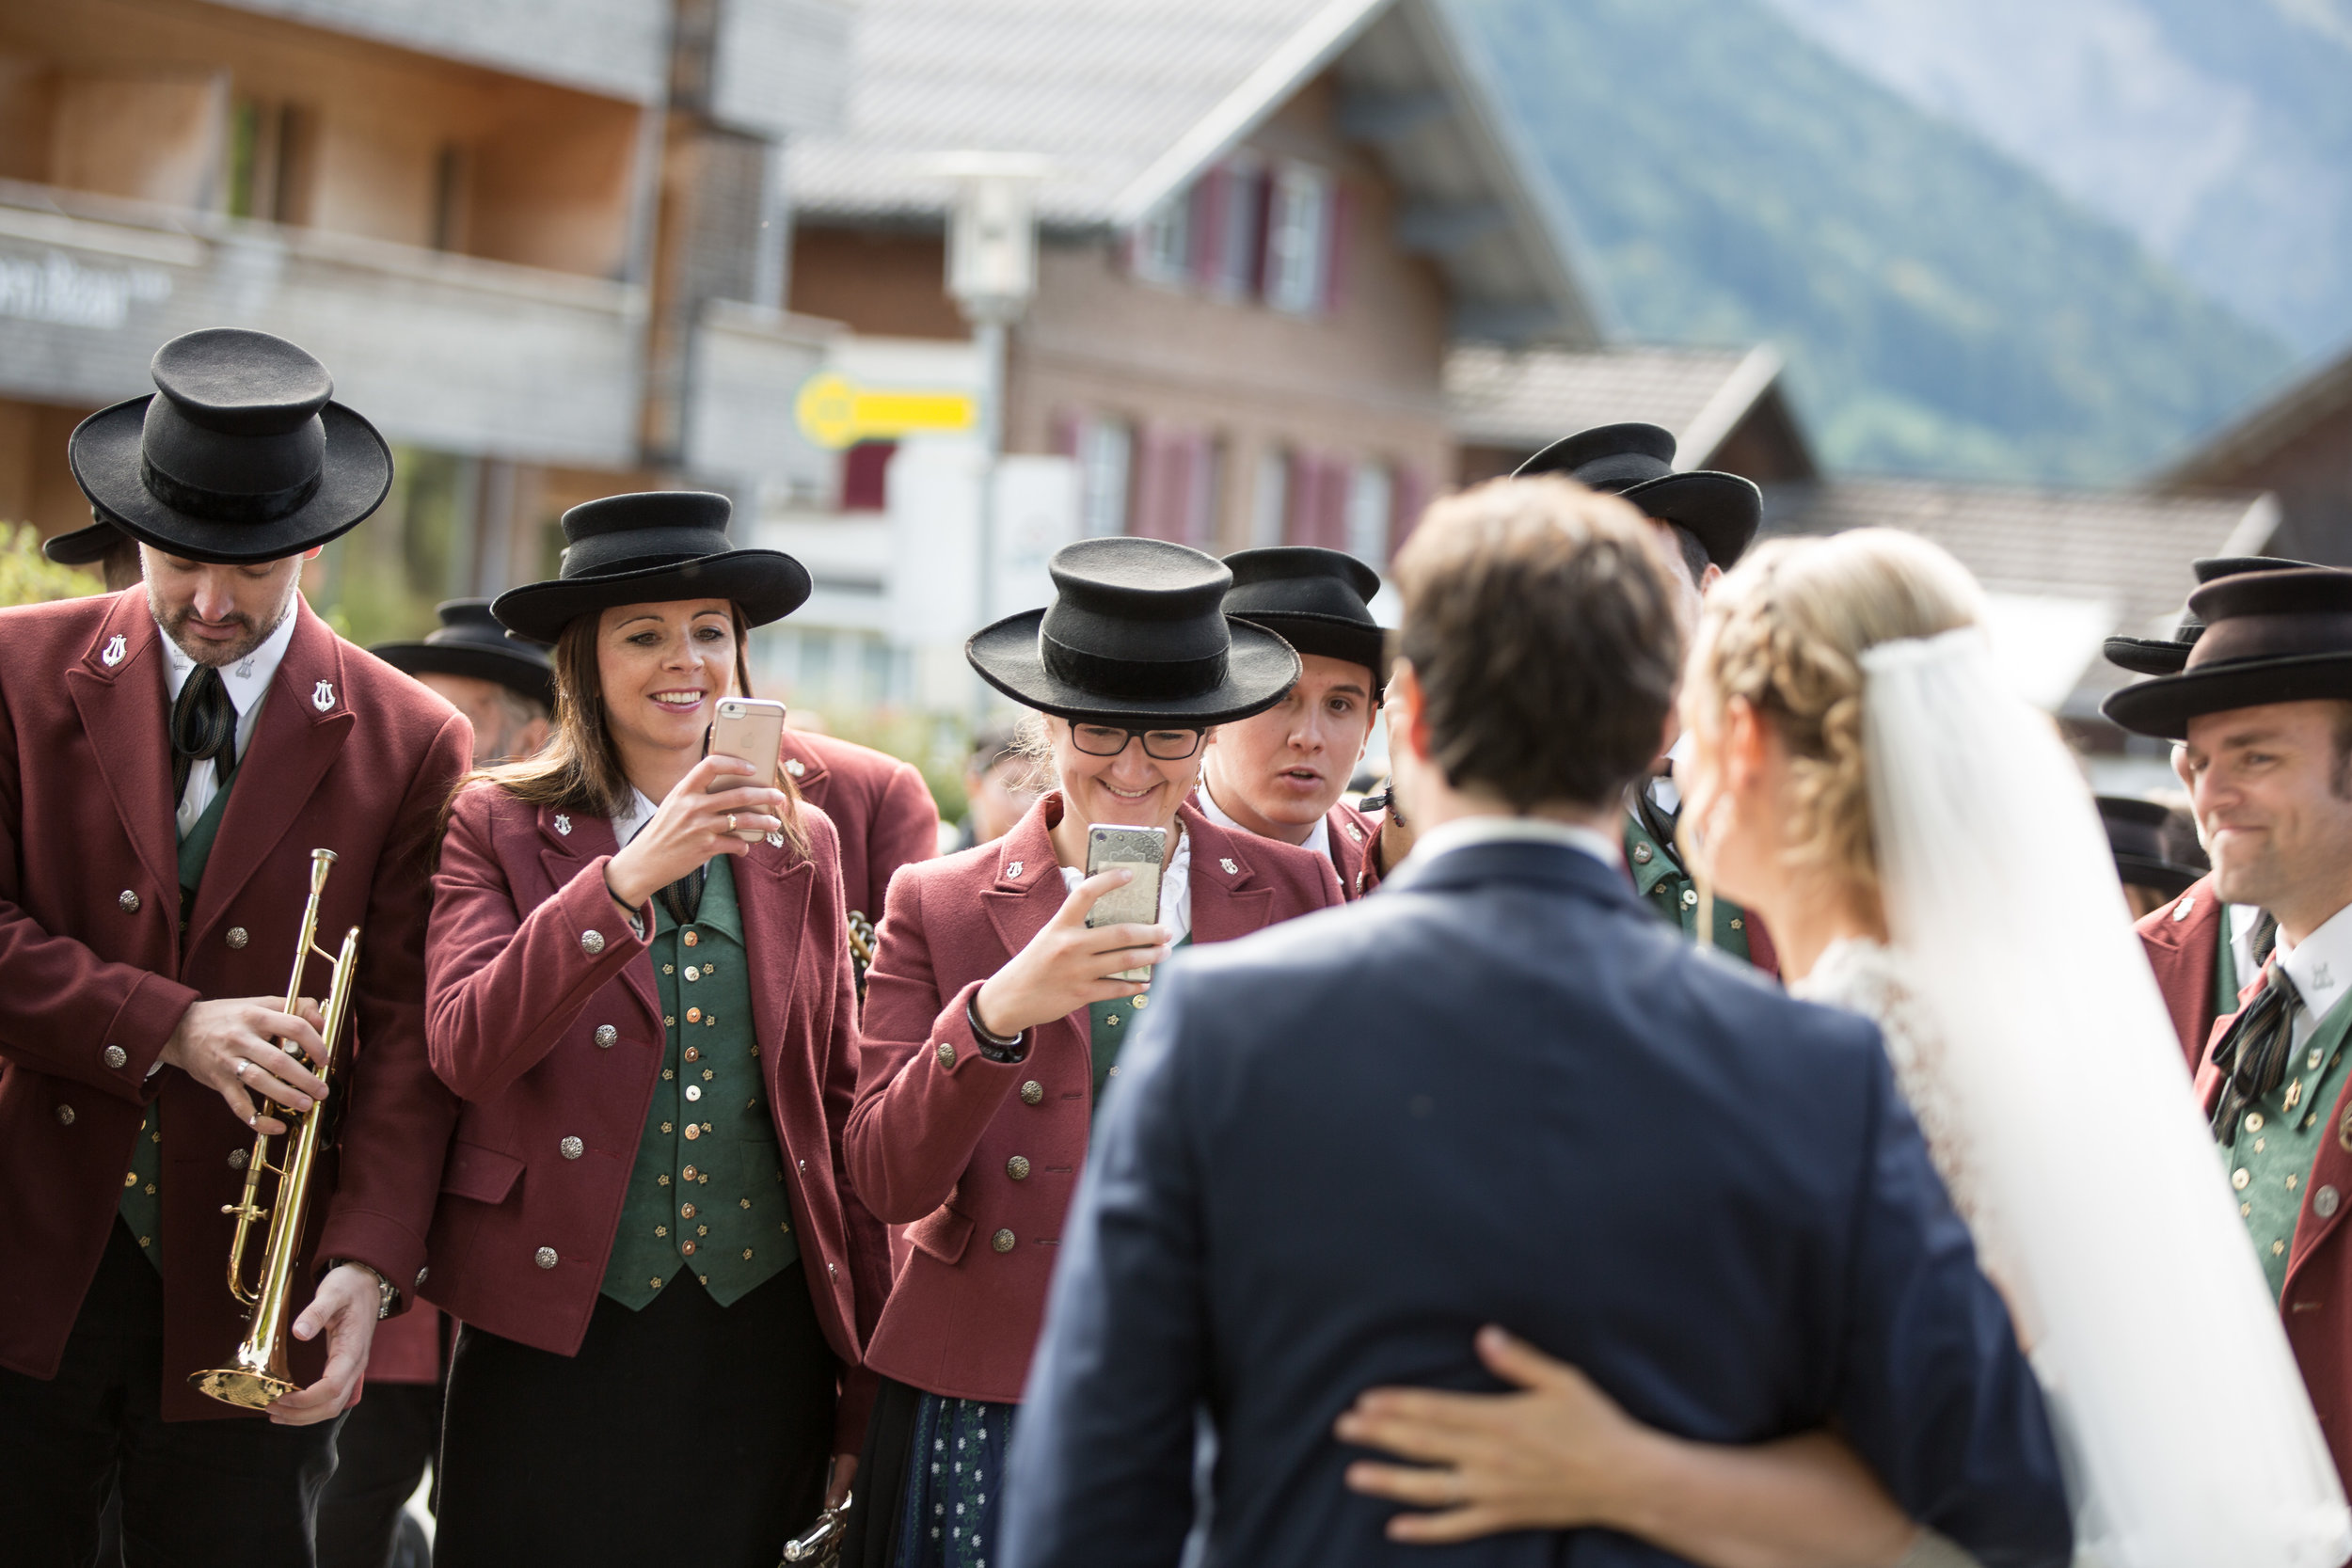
point(955, 1480)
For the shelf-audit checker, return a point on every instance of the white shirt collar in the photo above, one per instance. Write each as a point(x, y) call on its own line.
point(246, 681)
point(2321, 964)
point(1465, 831)
point(1662, 789)
point(1319, 840)
point(1175, 888)
point(641, 809)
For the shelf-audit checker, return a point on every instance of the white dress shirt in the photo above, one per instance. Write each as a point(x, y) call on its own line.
point(2321, 966)
point(2238, 919)
point(1175, 889)
point(1463, 832)
point(1663, 792)
point(247, 682)
point(1319, 841)
point(641, 809)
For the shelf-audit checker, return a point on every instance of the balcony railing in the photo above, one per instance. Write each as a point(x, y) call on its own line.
point(445, 351)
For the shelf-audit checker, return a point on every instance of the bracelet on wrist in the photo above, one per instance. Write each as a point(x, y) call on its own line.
point(995, 1046)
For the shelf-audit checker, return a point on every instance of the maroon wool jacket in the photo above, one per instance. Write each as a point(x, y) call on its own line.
point(881, 807)
point(1355, 849)
point(349, 754)
point(528, 964)
point(2182, 939)
point(937, 1124)
point(2315, 1303)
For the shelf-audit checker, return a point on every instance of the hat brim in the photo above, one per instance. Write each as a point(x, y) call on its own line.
point(2167, 877)
point(1332, 637)
point(355, 475)
point(2163, 706)
point(1259, 668)
point(2148, 655)
point(519, 672)
point(1722, 510)
point(766, 585)
point(84, 546)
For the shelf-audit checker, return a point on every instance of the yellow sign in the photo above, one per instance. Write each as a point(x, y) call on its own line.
point(835, 412)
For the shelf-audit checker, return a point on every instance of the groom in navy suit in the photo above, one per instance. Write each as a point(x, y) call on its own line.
point(1502, 1092)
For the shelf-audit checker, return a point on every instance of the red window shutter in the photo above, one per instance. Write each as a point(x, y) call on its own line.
point(1159, 505)
point(865, 476)
point(1338, 220)
point(1339, 476)
point(1306, 481)
point(1408, 498)
point(1208, 224)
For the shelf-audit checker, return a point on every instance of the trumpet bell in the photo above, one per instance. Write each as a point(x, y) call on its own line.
point(235, 1385)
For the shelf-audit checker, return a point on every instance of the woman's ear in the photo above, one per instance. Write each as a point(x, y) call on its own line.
point(1743, 743)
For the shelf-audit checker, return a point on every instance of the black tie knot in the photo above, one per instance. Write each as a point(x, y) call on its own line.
point(203, 726)
point(2253, 1055)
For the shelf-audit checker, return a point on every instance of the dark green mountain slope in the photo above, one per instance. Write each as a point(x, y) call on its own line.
point(1944, 310)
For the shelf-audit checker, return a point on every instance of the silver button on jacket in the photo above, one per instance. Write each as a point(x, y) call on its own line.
point(573, 1149)
point(115, 1056)
point(546, 1258)
point(591, 942)
point(606, 1037)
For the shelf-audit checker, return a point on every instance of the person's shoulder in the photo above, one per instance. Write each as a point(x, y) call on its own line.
point(1304, 878)
point(970, 870)
point(854, 764)
point(62, 624)
point(378, 691)
point(2195, 911)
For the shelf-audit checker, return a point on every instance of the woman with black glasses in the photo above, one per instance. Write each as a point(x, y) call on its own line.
point(993, 1019)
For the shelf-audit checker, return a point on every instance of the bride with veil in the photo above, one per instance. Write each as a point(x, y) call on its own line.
point(1924, 852)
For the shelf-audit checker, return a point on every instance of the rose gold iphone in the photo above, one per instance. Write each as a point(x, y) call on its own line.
point(751, 728)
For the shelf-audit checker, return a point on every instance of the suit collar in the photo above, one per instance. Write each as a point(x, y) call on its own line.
point(1525, 861)
point(2190, 915)
point(1231, 896)
point(117, 689)
point(799, 753)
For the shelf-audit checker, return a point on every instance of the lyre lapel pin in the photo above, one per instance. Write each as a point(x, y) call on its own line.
point(323, 695)
point(563, 825)
point(113, 653)
point(1231, 869)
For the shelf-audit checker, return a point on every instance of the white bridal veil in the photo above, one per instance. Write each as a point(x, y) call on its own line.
point(2188, 1439)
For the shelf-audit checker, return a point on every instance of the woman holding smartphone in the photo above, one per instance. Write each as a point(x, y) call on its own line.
point(638, 985)
point(995, 1017)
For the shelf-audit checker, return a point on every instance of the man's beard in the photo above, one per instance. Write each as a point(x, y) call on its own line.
point(219, 655)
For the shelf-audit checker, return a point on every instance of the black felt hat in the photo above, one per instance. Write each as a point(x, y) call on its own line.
point(2269, 636)
point(1319, 601)
point(647, 549)
point(471, 643)
point(85, 547)
point(2164, 656)
point(238, 456)
point(1636, 461)
point(1136, 634)
point(2153, 844)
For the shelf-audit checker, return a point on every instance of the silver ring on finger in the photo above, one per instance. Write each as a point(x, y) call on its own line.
point(730, 821)
point(241, 1065)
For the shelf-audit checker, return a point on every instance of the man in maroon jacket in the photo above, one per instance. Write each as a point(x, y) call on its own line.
point(2263, 706)
point(169, 757)
point(1279, 775)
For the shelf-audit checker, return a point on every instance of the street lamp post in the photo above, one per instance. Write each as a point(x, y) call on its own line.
point(992, 275)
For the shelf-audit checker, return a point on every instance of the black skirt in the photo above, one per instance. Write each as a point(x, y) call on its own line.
point(686, 1431)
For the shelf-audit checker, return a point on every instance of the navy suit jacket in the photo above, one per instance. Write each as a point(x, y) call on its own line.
point(1503, 1092)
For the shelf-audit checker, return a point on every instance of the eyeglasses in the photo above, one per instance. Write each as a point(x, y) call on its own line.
point(1108, 741)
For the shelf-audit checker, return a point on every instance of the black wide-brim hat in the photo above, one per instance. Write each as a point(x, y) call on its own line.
point(2165, 656)
point(1636, 461)
point(2147, 843)
point(2269, 636)
point(651, 547)
point(85, 547)
point(238, 456)
point(1317, 600)
point(470, 642)
point(1137, 635)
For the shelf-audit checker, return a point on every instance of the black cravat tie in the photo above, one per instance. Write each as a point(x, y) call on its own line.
point(2263, 938)
point(683, 898)
point(203, 724)
point(2252, 1057)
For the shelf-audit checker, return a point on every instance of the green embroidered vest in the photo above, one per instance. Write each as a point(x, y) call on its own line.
point(1110, 1023)
point(142, 1207)
point(2270, 1164)
point(707, 1196)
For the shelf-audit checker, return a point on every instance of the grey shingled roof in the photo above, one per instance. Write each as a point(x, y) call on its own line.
point(1531, 398)
point(2128, 547)
point(1103, 87)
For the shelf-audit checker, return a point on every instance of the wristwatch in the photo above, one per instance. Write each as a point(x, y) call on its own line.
point(386, 1297)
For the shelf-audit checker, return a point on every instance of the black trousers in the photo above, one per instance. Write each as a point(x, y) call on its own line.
point(686, 1432)
point(387, 1442)
point(237, 1492)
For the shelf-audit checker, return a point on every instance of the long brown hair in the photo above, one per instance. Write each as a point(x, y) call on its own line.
point(578, 768)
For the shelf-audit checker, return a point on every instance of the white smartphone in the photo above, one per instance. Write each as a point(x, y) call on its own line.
point(1140, 850)
point(751, 728)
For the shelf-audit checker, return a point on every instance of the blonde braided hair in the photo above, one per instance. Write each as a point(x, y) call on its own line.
point(1786, 629)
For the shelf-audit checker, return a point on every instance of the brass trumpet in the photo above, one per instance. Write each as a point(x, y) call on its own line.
point(261, 1376)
